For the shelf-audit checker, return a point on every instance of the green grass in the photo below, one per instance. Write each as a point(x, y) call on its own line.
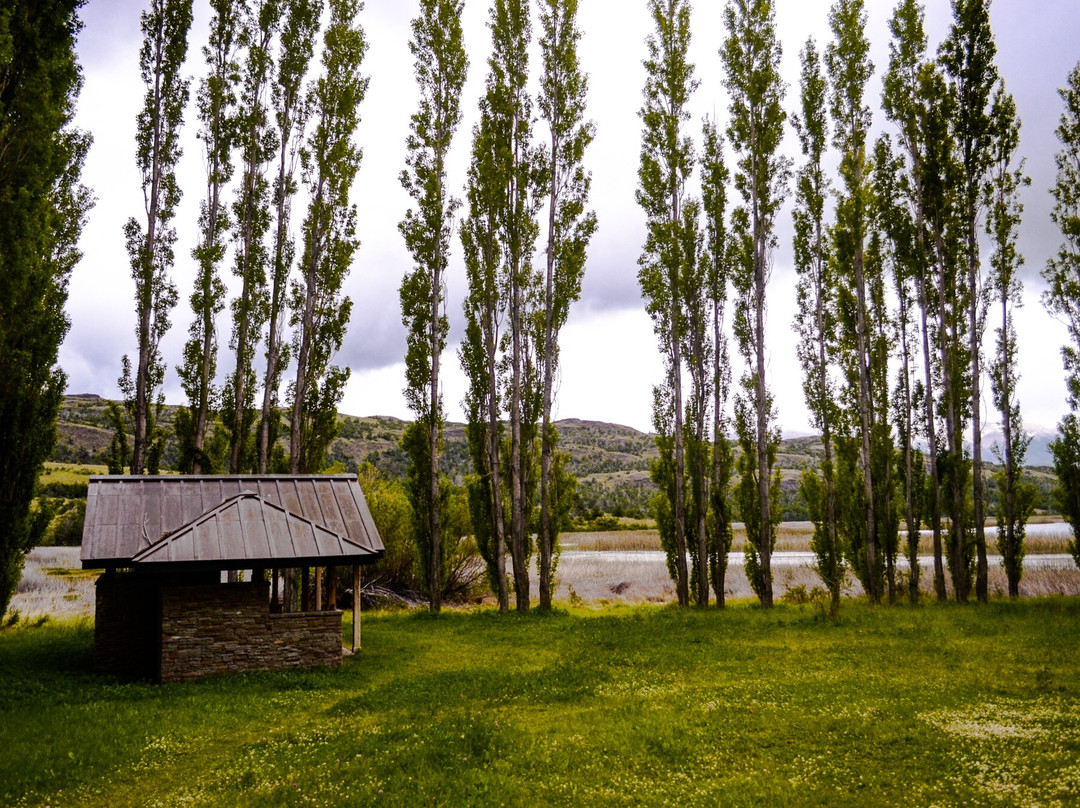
point(936, 705)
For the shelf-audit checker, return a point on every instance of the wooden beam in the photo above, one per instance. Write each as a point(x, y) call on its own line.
point(331, 586)
point(356, 608)
point(318, 590)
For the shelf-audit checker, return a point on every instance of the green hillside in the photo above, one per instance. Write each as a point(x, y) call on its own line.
point(610, 462)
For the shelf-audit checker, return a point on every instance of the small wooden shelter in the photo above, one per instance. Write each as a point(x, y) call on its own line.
point(194, 568)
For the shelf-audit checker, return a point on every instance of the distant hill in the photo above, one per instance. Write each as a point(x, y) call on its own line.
point(610, 461)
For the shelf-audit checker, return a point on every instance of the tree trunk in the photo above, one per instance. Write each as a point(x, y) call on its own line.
point(682, 586)
point(547, 372)
point(765, 539)
point(974, 338)
point(493, 459)
point(433, 425)
point(866, 419)
point(909, 469)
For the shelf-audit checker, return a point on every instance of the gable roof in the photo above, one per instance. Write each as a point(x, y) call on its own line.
point(248, 529)
point(129, 516)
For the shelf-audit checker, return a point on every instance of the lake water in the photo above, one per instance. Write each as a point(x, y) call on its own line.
point(791, 559)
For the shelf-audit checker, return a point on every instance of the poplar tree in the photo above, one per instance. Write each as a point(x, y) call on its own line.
point(297, 43)
point(908, 101)
point(216, 105)
point(697, 350)
point(319, 312)
point(43, 208)
point(751, 58)
point(251, 211)
point(1062, 298)
point(716, 254)
point(1016, 500)
point(483, 309)
point(968, 58)
point(895, 221)
point(441, 66)
point(815, 320)
point(562, 101)
point(521, 172)
point(849, 68)
point(951, 300)
point(165, 28)
point(667, 158)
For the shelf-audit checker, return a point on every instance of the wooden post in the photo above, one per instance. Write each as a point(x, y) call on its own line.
point(318, 590)
point(356, 608)
point(331, 585)
point(305, 591)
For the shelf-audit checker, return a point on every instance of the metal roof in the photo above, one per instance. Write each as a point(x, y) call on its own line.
point(256, 519)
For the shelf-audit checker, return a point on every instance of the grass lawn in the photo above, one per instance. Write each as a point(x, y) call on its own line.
point(936, 705)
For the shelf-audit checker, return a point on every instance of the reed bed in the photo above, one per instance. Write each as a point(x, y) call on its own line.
point(795, 537)
point(54, 585)
point(641, 578)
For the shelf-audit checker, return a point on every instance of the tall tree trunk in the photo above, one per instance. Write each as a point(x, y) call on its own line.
point(762, 408)
point(682, 584)
point(909, 469)
point(974, 338)
point(496, 482)
point(547, 372)
point(433, 426)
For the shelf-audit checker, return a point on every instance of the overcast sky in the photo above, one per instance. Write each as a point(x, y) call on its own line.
point(610, 357)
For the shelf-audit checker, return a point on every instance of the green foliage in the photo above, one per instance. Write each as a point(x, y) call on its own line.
point(441, 66)
point(392, 513)
point(668, 269)
point(165, 28)
point(42, 211)
point(118, 456)
point(563, 88)
point(216, 105)
point(751, 58)
point(1066, 494)
point(1062, 298)
point(256, 142)
point(419, 489)
point(760, 536)
point(320, 313)
point(830, 564)
point(296, 45)
point(1017, 499)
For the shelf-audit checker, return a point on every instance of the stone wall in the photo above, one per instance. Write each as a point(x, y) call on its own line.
point(227, 628)
point(174, 632)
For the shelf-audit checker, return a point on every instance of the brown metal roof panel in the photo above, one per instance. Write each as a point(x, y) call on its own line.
point(304, 539)
point(110, 544)
point(230, 538)
point(278, 538)
point(328, 495)
point(191, 501)
point(131, 510)
point(253, 521)
point(184, 548)
point(310, 507)
point(370, 536)
point(288, 496)
point(151, 516)
point(172, 508)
